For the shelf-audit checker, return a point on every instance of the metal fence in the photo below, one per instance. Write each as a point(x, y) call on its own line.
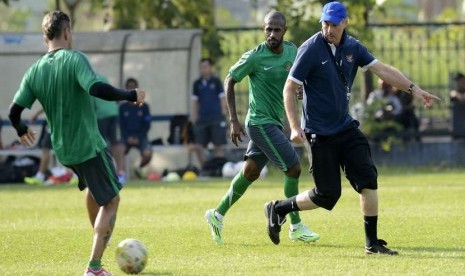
point(429, 53)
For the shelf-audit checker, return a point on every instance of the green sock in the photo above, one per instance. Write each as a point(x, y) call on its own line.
point(239, 185)
point(95, 264)
point(291, 188)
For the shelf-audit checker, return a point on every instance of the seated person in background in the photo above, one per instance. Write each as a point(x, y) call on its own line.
point(392, 108)
point(135, 123)
point(457, 95)
point(107, 120)
point(457, 100)
point(407, 117)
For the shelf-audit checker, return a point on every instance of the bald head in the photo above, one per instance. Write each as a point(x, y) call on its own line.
point(274, 28)
point(275, 16)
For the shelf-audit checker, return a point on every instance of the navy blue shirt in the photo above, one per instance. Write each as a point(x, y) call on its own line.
point(134, 121)
point(325, 108)
point(208, 93)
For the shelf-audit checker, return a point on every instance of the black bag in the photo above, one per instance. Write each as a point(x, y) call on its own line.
point(14, 169)
point(213, 167)
point(181, 130)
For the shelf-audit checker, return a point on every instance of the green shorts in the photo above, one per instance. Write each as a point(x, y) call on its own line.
point(99, 175)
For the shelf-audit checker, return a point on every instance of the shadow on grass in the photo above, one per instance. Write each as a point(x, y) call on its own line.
point(439, 250)
point(156, 273)
point(409, 252)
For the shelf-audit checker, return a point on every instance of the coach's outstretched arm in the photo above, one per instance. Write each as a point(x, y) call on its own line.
point(395, 78)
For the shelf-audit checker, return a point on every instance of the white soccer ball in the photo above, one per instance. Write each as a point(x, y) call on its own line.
point(131, 256)
point(228, 169)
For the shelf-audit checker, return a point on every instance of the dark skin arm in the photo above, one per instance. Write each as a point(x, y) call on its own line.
point(236, 130)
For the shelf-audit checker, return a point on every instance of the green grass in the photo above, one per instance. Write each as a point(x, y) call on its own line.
point(44, 230)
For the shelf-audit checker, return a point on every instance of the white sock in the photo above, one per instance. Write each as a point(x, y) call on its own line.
point(40, 175)
point(219, 216)
point(295, 226)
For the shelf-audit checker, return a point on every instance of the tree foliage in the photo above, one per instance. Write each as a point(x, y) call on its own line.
point(303, 17)
point(164, 14)
point(7, 2)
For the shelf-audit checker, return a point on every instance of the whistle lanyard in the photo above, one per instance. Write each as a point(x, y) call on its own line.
point(339, 69)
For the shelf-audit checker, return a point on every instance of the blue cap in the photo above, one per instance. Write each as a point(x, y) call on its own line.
point(333, 12)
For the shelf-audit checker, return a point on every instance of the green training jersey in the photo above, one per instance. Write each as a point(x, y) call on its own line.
point(105, 109)
point(267, 73)
point(61, 81)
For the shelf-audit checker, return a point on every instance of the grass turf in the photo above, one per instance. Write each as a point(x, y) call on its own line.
point(45, 231)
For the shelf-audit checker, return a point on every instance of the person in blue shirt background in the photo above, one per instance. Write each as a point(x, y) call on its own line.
point(135, 124)
point(208, 111)
point(326, 65)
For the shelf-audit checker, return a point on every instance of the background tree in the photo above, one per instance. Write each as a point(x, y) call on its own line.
point(303, 17)
point(167, 14)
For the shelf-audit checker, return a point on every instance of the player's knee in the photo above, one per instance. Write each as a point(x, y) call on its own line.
point(251, 171)
point(325, 200)
point(294, 171)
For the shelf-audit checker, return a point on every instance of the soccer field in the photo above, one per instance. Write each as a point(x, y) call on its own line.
point(45, 230)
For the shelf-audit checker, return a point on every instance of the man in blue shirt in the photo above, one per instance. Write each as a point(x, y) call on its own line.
point(135, 124)
point(208, 112)
point(326, 66)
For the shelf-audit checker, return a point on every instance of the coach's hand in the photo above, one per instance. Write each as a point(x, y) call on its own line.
point(425, 96)
point(298, 136)
point(236, 131)
point(28, 138)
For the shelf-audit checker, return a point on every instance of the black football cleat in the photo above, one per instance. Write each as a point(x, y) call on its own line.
point(380, 248)
point(274, 222)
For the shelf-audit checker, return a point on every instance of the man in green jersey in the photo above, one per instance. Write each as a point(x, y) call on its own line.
point(64, 82)
point(267, 66)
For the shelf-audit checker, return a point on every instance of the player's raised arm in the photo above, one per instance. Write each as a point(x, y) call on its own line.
point(110, 93)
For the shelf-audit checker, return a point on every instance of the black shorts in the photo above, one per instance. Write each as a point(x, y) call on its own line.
point(348, 150)
point(99, 175)
point(211, 131)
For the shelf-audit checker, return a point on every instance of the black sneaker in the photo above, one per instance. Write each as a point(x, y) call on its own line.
point(380, 248)
point(273, 222)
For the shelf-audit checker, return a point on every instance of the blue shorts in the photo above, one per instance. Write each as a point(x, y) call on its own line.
point(268, 142)
point(144, 145)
